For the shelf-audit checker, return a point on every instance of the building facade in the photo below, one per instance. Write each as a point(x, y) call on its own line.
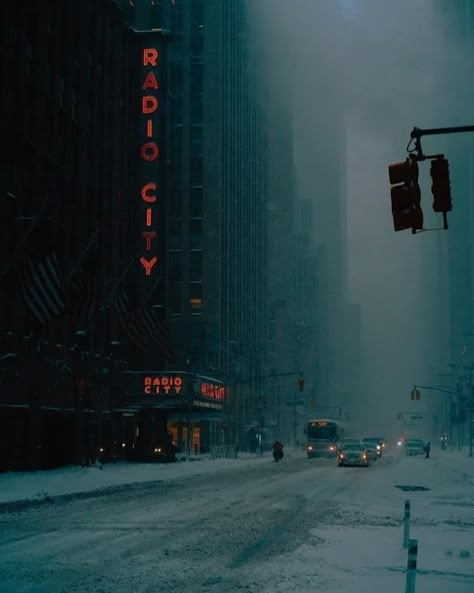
point(216, 192)
point(64, 164)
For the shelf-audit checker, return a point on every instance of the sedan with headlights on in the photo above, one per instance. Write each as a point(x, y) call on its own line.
point(353, 454)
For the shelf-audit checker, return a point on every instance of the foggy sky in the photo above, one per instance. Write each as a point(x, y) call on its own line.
point(382, 67)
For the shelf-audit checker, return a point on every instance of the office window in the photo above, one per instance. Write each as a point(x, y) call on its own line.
point(197, 77)
point(176, 109)
point(196, 171)
point(176, 78)
point(176, 49)
point(196, 140)
point(175, 201)
point(176, 142)
point(197, 15)
point(196, 108)
point(175, 265)
point(175, 171)
point(176, 18)
point(175, 233)
point(156, 14)
point(195, 233)
point(195, 297)
point(175, 290)
point(195, 202)
point(197, 47)
point(195, 265)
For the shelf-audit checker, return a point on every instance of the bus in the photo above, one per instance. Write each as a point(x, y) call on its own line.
point(323, 436)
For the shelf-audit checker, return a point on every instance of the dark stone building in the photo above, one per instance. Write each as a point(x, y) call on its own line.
point(65, 174)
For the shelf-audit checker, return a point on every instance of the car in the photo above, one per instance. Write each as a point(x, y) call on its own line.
point(353, 454)
point(373, 446)
point(349, 440)
point(414, 447)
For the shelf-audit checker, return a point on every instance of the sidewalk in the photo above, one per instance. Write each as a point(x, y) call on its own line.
point(41, 486)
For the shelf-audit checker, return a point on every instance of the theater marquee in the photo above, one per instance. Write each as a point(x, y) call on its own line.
point(202, 392)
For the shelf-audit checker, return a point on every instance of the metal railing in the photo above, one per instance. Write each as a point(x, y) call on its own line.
point(224, 452)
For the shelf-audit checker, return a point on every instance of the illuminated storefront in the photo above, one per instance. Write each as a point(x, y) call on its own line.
point(191, 403)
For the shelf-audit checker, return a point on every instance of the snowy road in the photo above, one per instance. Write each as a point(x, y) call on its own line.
point(204, 533)
point(234, 530)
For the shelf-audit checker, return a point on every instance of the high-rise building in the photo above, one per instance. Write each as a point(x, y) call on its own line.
point(216, 196)
point(64, 163)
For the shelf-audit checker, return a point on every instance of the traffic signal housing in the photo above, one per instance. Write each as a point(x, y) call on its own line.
point(440, 188)
point(405, 195)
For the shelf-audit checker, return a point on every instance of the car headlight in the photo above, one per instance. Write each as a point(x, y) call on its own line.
point(331, 448)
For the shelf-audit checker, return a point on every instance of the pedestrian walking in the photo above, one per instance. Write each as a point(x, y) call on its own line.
point(427, 449)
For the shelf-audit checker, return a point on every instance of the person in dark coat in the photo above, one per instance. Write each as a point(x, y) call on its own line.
point(427, 449)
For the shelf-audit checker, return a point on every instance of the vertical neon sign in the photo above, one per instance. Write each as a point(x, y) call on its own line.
point(150, 157)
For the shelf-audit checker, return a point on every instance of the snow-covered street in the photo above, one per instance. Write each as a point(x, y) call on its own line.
point(239, 525)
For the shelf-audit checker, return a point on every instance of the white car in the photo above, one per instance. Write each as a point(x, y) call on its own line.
point(414, 447)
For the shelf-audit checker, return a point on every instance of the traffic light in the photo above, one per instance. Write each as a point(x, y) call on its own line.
point(440, 188)
point(301, 384)
point(405, 194)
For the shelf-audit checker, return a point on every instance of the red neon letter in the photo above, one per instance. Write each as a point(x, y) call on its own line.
point(150, 56)
point(145, 197)
point(149, 128)
point(149, 151)
point(148, 265)
point(149, 104)
point(148, 236)
point(150, 82)
point(148, 217)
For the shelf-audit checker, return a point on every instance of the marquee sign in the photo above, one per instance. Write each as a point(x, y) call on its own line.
point(149, 155)
point(162, 385)
point(183, 385)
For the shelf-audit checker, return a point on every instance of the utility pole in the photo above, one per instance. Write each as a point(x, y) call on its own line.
point(294, 418)
point(470, 410)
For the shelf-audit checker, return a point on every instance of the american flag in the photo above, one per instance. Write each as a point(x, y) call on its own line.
point(41, 281)
point(144, 325)
point(83, 285)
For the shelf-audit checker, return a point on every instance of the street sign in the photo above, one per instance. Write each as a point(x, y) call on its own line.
point(295, 402)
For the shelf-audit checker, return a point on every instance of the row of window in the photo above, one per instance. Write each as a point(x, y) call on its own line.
point(176, 78)
point(176, 141)
point(181, 301)
point(176, 236)
point(176, 108)
point(175, 265)
point(177, 202)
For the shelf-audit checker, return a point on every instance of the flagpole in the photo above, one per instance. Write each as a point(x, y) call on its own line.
point(20, 246)
point(82, 257)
